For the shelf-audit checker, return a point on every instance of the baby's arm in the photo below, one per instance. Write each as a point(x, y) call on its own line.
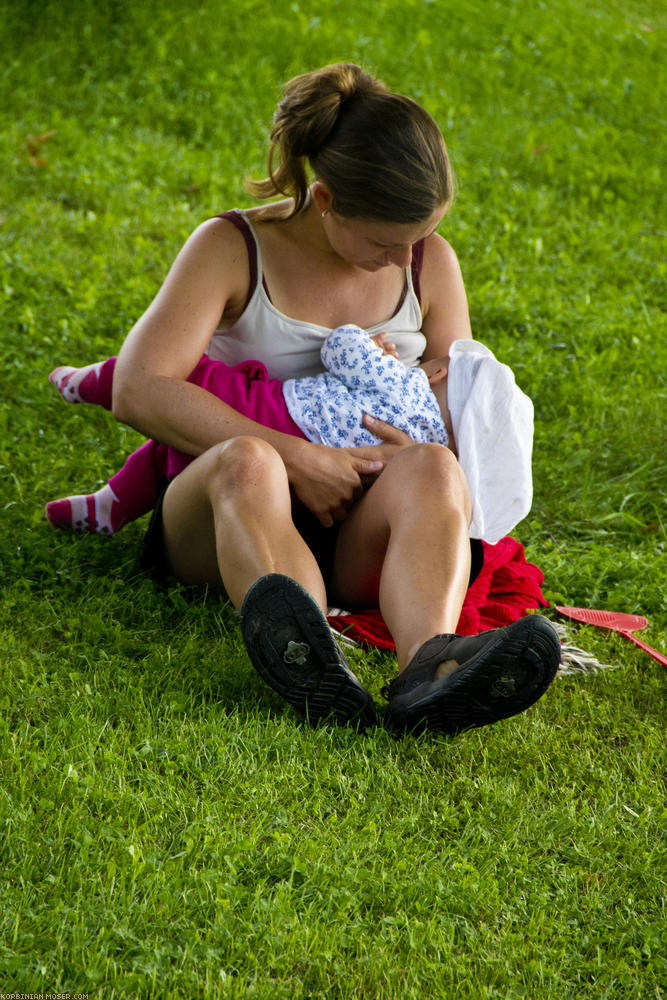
point(384, 342)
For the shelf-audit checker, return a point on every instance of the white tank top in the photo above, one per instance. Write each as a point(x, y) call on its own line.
point(290, 348)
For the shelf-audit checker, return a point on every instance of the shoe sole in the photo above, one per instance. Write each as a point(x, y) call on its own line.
point(291, 646)
point(504, 679)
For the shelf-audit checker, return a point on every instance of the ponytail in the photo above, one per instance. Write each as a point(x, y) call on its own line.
point(381, 155)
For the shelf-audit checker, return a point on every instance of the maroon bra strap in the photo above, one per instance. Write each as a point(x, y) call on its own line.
point(237, 220)
point(416, 267)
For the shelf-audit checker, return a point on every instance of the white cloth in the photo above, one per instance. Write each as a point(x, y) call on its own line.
point(492, 420)
point(361, 379)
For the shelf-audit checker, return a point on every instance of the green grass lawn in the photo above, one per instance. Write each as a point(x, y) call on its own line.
point(167, 828)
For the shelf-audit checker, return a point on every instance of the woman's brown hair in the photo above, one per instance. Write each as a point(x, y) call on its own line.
point(380, 154)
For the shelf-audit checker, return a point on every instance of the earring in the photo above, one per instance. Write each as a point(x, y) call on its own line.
point(325, 212)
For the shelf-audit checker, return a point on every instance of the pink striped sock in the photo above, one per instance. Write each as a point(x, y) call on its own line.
point(91, 513)
point(90, 384)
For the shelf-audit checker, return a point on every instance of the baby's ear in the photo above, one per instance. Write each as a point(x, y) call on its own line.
point(438, 375)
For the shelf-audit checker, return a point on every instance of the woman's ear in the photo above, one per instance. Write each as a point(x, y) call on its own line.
point(322, 196)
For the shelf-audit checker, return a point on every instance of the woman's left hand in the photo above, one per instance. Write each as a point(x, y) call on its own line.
point(393, 441)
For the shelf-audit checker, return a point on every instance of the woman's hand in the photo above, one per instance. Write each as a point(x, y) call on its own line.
point(393, 441)
point(388, 433)
point(329, 480)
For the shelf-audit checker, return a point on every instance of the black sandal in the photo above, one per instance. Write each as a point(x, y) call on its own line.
point(501, 673)
point(291, 645)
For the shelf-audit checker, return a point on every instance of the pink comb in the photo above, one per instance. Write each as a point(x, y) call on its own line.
point(617, 621)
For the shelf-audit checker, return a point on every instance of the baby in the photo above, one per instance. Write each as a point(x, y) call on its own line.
point(467, 401)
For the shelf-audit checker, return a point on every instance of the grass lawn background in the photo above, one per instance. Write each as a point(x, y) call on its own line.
point(167, 829)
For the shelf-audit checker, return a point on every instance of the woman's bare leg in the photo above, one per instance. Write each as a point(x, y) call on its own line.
point(405, 546)
point(227, 521)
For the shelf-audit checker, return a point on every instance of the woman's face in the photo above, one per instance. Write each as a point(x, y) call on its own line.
point(373, 245)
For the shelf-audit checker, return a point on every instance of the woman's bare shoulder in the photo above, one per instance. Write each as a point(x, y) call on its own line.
point(214, 263)
point(218, 236)
point(444, 302)
point(439, 258)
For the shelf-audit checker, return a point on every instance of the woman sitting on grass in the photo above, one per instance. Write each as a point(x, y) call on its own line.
point(283, 525)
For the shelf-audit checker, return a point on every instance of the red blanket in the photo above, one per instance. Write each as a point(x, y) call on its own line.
point(506, 588)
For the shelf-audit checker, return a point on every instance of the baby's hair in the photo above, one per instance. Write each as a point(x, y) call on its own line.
point(380, 154)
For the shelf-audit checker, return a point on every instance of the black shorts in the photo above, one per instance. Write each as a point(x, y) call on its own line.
point(321, 541)
point(153, 557)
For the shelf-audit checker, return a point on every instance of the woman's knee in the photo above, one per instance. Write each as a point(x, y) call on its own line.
point(245, 464)
point(431, 470)
point(426, 461)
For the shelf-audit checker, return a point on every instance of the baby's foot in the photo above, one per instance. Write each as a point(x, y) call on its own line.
point(79, 385)
point(95, 513)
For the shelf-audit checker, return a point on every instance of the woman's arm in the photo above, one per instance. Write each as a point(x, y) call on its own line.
point(444, 302)
point(208, 280)
point(150, 391)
